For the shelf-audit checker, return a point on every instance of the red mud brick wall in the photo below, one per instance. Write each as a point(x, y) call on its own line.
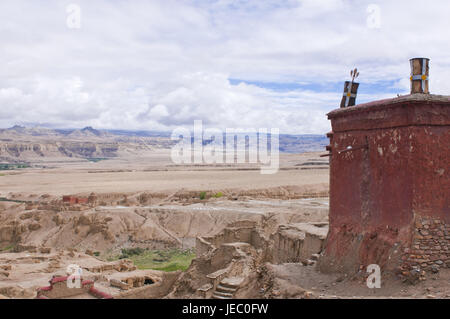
point(396, 174)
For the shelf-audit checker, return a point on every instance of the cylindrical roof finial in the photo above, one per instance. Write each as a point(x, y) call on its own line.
point(420, 75)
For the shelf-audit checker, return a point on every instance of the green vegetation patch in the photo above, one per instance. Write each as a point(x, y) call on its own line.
point(7, 248)
point(128, 252)
point(208, 195)
point(96, 159)
point(7, 167)
point(164, 260)
point(4, 199)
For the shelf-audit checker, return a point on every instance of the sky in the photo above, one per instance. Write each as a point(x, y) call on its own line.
point(161, 64)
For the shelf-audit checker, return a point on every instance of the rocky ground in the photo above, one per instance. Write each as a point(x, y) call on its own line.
point(131, 205)
point(294, 280)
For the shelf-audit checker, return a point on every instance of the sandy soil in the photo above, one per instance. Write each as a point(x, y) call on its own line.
point(59, 182)
point(158, 174)
point(293, 280)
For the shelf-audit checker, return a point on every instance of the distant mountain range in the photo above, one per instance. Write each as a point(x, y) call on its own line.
point(303, 143)
point(43, 131)
point(300, 143)
point(287, 143)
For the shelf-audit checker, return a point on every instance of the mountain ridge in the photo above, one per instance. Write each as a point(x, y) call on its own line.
point(20, 143)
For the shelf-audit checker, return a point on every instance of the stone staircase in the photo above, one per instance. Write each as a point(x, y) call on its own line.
point(227, 287)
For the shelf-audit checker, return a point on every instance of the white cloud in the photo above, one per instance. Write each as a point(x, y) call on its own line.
point(161, 63)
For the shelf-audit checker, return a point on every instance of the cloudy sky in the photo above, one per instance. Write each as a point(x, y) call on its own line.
point(160, 64)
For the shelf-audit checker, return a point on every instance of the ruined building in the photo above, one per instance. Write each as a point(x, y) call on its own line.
point(390, 182)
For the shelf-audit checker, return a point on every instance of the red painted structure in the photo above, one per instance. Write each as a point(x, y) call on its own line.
point(72, 200)
point(389, 168)
point(60, 284)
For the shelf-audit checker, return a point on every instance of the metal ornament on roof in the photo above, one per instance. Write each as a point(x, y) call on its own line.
point(350, 90)
point(419, 75)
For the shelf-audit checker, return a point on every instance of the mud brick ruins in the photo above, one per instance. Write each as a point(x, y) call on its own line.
point(389, 182)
